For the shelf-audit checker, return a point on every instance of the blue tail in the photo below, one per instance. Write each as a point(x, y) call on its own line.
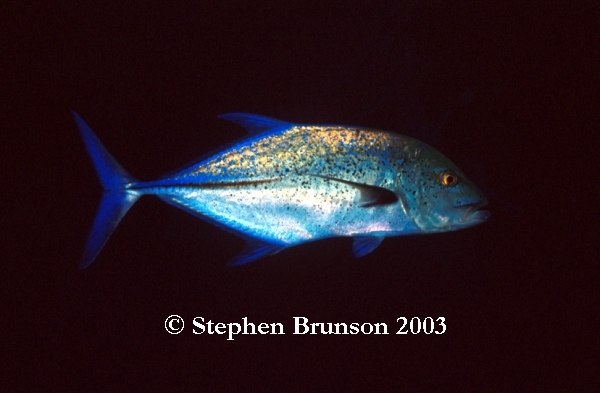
point(116, 199)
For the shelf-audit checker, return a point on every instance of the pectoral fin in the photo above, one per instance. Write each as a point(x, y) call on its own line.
point(365, 244)
point(369, 195)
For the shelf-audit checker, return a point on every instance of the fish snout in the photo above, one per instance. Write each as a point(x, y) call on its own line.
point(474, 215)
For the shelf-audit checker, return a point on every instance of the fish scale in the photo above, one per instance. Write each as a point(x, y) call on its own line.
point(301, 150)
point(287, 184)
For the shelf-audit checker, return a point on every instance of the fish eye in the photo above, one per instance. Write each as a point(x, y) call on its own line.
point(448, 179)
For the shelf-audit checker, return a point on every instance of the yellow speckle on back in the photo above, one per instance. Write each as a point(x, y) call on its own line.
point(299, 149)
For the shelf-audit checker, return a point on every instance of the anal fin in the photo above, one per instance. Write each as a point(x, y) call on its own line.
point(255, 249)
point(363, 245)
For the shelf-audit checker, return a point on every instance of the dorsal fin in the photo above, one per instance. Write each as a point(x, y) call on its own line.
point(254, 124)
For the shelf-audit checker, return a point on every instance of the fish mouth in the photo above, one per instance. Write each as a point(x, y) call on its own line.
point(474, 216)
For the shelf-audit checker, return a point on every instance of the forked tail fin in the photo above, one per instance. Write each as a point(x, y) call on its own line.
point(116, 199)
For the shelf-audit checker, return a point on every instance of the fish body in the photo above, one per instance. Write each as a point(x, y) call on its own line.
point(288, 184)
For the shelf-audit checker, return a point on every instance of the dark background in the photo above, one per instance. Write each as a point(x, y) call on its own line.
point(502, 90)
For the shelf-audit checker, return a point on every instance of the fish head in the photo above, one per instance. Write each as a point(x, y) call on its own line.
point(437, 195)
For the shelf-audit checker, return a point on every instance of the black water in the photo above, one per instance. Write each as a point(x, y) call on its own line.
point(502, 90)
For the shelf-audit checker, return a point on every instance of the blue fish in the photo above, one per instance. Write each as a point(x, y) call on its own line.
point(287, 184)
